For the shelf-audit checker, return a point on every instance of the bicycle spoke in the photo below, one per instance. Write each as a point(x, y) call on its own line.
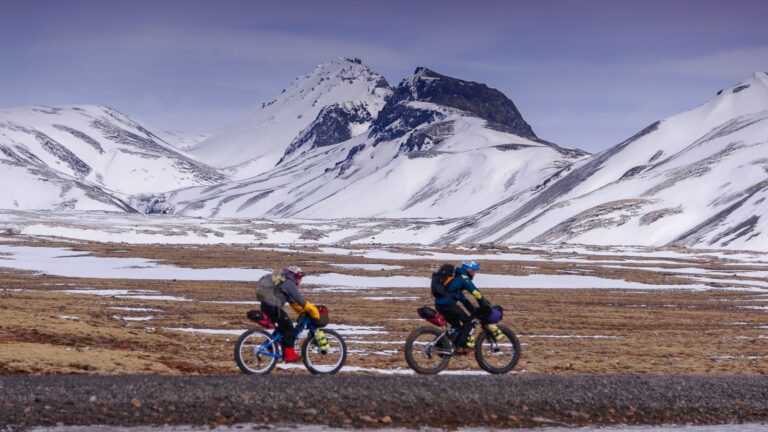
point(427, 350)
point(326, 361)
point(498, 356)
point(255, 353)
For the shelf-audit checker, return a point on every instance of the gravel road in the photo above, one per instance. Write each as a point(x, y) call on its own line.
point(382, 401)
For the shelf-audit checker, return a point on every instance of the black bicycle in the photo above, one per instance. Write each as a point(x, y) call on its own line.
point(428, 350)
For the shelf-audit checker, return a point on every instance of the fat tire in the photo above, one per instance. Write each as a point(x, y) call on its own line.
point(412, 363)
point(305, 347)
point(510, 335)
point(242, 364)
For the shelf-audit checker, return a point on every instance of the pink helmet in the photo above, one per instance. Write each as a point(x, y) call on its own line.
point(294, 271)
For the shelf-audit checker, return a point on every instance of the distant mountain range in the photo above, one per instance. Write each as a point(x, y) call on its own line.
point(342, 143)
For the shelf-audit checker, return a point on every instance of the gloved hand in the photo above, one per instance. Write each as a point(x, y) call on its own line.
point(312, 310)
point(297, 307)
point(476, 294)
point(485, 307)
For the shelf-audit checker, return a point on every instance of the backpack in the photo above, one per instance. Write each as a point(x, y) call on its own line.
point(440, 280)
point(268, 289)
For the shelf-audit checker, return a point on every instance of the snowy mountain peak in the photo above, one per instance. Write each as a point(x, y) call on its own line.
point(257, 143)
point(326, 76)
point(753, 88)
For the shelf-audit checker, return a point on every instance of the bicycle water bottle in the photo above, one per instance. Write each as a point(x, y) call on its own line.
point(322, 341)
point(495, 332)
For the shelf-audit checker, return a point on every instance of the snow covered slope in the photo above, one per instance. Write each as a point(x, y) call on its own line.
point(34, 187)
point(699, 178)
point(182, 140)
point(440, 147)
point(53, 152)
point(256, 144)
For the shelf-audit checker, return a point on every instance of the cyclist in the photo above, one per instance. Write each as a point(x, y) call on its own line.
point(287, 283)
point(454, 314)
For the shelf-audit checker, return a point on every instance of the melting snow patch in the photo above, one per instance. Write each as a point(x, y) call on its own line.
point(765, 308)
point(386, 352)
point(206, 331)
point(391, 298)
point(136, 309)
point(254, 302)
point(572, 337)
point(365, 342)
point(69, 263)
point(754, 357)
point(125, 318)
point(69, 317)
point(127, 294)
point(373, 267)
point(356, 330)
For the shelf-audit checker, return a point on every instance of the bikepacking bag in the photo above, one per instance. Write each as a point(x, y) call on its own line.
point(496, 314)
point(261, 319)
point(268, 289)
point(441, 278)
point(324, 316)
point(431, 315)
point(490, 314)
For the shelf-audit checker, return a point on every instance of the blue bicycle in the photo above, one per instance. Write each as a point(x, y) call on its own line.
point(257, 351)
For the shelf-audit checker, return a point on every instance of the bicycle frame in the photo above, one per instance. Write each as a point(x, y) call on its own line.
point(449, 333)
point(305, 324)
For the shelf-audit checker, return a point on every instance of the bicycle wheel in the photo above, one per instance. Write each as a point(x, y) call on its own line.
point(329, 362)
point(497, 357)
point(428, 350)
point(251, 352)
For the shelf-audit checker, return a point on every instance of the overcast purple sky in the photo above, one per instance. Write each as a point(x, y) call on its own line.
point(583, 73)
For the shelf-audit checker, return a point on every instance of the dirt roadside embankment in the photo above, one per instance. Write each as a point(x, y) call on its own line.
point(382, 401)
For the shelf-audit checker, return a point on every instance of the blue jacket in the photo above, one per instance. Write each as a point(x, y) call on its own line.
point(461, 281)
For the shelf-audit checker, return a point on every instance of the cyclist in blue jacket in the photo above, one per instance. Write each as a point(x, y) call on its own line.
point(454, 314)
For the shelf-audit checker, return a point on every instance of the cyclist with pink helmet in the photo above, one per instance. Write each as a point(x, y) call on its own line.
point(287, 283)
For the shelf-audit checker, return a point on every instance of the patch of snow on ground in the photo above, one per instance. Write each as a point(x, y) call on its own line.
point(136, 309)
point(356, 330)
point(65, 262)
point(341, 328)
point(205, 331)
point(391, 298)
point(372, 267)
point(127, 294)
point(68, 263)
point(126, 318)
point(572, 337)
point(764, 308)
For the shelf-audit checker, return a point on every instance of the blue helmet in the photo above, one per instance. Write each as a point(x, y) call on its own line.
point(469, 265)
